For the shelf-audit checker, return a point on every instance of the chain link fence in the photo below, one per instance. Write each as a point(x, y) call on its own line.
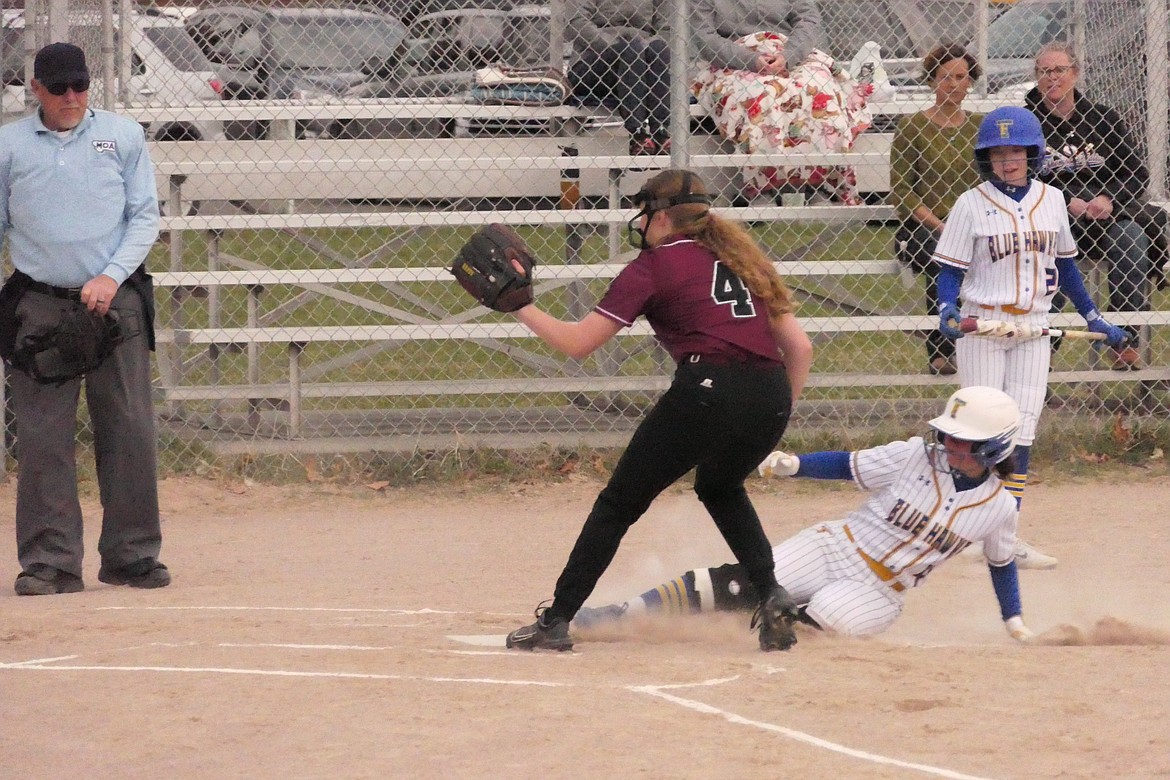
point(319, 165)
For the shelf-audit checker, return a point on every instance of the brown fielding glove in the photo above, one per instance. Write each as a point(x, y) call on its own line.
point(484, 268)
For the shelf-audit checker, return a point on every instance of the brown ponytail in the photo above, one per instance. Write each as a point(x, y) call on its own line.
point(729, 241)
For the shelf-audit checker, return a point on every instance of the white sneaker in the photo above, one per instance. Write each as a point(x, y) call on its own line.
point(1028, 557)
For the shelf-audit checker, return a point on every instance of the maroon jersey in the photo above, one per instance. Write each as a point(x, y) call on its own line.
point(694, 303)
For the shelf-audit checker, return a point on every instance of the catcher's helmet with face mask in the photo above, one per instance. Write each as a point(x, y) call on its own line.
point(984, 416)
point(1009, 126)
point(649, 201)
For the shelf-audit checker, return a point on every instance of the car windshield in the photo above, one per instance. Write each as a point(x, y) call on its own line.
point(177, 46)
point(850, 24)
point(334, 43)
point(1022, 30)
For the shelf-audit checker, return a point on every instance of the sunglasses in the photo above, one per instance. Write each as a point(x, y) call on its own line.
point(59, 88)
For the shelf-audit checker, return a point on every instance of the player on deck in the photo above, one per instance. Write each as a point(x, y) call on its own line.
point(930, 499)
point(1006, 249)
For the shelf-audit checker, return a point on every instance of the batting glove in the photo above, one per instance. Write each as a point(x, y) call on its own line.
point(948, 321)
point(1114, 336)
point(779, 464)
point(1018, 631)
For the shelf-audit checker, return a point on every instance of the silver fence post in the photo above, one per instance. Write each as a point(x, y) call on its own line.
point(680, 84)
point(556, 41)
point(1157, 105)
point(108, 67)
point(982, 20)
point(1157, 118)
point(58, 21)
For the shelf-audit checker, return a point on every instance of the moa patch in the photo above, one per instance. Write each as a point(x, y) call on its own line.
point(105, 146)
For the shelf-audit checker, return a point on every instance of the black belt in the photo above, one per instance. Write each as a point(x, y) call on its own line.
point(68, 293)
point(722, 359)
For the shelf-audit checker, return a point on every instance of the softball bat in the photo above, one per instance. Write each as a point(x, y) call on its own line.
point(1017, 330)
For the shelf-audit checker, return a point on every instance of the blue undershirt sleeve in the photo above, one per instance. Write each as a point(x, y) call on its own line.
point(1072, 284)
point(950, 279)
point(1006, 581)
point(825, 465)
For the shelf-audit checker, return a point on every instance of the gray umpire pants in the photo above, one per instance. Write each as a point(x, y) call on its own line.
point(118, 394)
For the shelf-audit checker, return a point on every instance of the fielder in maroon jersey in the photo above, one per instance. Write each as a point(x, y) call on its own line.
point(718, 306)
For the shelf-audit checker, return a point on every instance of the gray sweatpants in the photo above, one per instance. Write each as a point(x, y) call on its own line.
point(118, 394)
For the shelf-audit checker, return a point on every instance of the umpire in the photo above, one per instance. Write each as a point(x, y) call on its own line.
point(78, 204)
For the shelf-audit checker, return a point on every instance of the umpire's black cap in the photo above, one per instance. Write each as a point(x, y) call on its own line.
point(60, 63)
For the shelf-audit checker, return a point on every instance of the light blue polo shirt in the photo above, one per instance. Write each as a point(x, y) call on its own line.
point(79, 206)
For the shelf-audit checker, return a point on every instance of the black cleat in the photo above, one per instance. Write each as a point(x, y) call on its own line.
point(775, 617)
point(547, 633)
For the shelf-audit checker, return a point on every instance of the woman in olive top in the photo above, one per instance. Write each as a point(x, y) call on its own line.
point(931, 164)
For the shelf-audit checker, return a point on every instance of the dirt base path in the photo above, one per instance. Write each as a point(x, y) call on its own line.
point(308, 635)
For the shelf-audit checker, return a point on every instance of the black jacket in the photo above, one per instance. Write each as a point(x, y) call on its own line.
point(1092, 153)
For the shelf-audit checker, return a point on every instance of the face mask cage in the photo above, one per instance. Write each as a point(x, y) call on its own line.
point(635, 234)
point(650, 204)
point(1036, 163)
point(987, 453)
point(936, 453)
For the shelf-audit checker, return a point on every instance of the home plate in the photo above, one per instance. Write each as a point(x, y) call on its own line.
point(481, 640)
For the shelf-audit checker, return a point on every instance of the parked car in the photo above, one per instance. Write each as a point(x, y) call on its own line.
point(304, 53)
point(443, 50)
point(409, 10)
point(165, 69)
point(1014, 38)
point(905, 29)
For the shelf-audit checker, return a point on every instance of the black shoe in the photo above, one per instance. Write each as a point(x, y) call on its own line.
point(547, 633)
point(41, 580)
point(775, 617)
point(145, 573)
point(591, 617)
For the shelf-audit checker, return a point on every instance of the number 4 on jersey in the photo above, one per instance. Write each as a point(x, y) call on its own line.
point(727, 288)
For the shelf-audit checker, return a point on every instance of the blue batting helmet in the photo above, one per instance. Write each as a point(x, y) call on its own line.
point(1010, 126)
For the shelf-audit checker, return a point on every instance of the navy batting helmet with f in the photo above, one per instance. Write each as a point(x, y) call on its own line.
point(1010, 126)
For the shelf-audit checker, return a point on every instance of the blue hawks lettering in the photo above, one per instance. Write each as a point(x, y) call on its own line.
point(105, 146)
point(939, 538)
point(1005, 245)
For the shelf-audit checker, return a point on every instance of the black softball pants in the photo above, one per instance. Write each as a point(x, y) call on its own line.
point(720, 420)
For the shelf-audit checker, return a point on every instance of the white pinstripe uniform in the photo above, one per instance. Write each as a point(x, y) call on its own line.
point(853, 573)
point(1008, 251)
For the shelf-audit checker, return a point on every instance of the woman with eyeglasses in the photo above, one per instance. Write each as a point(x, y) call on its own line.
point(1093, 158)
point(79, 206)
point(718, 306)
point(932, 163)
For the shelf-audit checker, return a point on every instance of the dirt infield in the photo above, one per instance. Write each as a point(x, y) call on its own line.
point(307, 635)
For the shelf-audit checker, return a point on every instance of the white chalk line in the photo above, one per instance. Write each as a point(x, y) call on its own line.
point(291, 646)
point(28, 665)
point(659, 691)
point(386, 611)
